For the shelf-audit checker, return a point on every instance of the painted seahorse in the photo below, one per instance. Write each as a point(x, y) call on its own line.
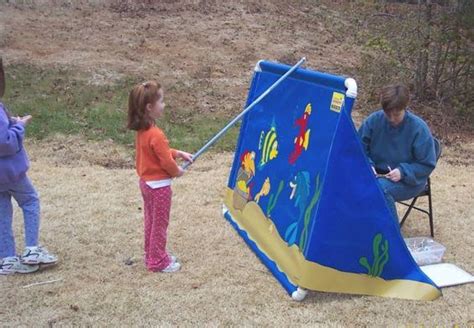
point(302, 139)
point(264, 191)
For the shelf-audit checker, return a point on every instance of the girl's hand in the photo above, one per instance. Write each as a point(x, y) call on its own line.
point(185, 156)
point(181, 172)
point(23, 120)
point(394, 175)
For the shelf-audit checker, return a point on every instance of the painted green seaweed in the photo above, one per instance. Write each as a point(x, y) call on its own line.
point(380, 251)
point(273, 198)
point(307, 214)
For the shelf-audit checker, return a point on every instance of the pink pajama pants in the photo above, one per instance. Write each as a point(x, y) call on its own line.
point(157, 204)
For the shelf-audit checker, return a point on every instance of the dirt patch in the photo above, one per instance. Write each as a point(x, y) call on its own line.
point(74, 151)
point(203, 52)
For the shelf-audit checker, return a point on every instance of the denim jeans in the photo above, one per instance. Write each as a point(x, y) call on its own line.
point(25, 195)
point(397, 191)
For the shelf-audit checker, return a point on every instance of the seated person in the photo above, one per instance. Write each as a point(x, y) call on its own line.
point(399, 146)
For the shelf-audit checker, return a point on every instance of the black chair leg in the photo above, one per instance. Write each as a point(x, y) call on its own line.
point(426, 192)
point(408, 211)
point(431, 214)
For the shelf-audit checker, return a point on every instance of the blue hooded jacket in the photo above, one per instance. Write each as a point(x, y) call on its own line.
point(14, 161)
point(408, 146)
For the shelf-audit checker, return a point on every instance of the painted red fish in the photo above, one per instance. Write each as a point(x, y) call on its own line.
point(302, 139)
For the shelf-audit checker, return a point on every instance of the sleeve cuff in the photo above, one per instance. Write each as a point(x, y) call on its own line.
point(402, 173)
point(174, 153)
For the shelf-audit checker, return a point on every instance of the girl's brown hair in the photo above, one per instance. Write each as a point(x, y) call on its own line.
point(394, 97)
point(141, 95)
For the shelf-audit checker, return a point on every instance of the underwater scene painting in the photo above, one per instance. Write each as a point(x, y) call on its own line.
point(302, 195)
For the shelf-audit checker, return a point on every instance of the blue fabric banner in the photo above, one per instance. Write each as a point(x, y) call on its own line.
point(303, 196)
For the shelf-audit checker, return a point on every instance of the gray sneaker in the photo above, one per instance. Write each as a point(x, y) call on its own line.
point(37, 255)
point(11, 265)
point(172, 267)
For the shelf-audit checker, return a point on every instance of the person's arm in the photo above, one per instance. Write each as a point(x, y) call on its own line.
point(11, 137)
point(174, 153)
point(162, 150)
point(365, 135)
point(424, 159)
point(184, 156)
point(181, 154)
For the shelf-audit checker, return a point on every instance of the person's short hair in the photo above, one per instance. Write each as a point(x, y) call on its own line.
point(394, 97)
point(141, 95)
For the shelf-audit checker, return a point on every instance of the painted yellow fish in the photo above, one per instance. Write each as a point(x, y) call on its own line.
point(268, 145)
point(242, 185)
point(264, 191)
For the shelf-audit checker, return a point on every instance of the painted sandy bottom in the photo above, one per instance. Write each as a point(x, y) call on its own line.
point(311, 275)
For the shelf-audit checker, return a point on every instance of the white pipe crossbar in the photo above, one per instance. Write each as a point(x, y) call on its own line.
point(238, 117)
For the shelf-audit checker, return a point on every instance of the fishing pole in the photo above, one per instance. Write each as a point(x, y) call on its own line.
point(238, 117)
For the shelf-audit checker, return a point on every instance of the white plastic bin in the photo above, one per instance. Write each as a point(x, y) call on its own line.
point(425, 250)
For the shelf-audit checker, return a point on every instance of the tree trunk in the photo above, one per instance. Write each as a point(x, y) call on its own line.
point(425, 22)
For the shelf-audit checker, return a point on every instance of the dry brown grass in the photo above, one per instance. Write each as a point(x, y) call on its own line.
point(93, 221)
point(91, 214)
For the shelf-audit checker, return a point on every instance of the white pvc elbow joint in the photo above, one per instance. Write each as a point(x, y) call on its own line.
point(299, 294)
point(351, 86)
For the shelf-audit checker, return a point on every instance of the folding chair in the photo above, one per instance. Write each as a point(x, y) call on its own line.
point(425, 192)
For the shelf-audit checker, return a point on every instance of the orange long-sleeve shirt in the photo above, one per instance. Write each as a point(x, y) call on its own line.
point(155, 160)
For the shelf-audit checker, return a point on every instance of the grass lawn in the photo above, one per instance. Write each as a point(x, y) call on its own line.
point(66, 102)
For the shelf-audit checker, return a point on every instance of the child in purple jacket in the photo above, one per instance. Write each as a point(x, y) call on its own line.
point(14, 183)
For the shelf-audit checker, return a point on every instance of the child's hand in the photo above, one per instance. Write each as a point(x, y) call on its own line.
point(185, 156)
point(23, 120)
point(180, 173)
point(394, 175)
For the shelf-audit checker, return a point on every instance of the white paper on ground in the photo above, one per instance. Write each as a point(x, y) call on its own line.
point(447, 274)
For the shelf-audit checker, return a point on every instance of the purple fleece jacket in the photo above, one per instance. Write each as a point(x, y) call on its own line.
point(13, 158)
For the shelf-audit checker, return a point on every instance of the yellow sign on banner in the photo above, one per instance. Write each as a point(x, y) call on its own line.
point(337, 101)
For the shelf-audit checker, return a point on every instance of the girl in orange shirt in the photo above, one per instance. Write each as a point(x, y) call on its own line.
point(156, 166)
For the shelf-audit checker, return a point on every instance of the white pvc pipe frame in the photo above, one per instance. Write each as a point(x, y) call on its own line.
point(238, 117)
point(300, 293)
